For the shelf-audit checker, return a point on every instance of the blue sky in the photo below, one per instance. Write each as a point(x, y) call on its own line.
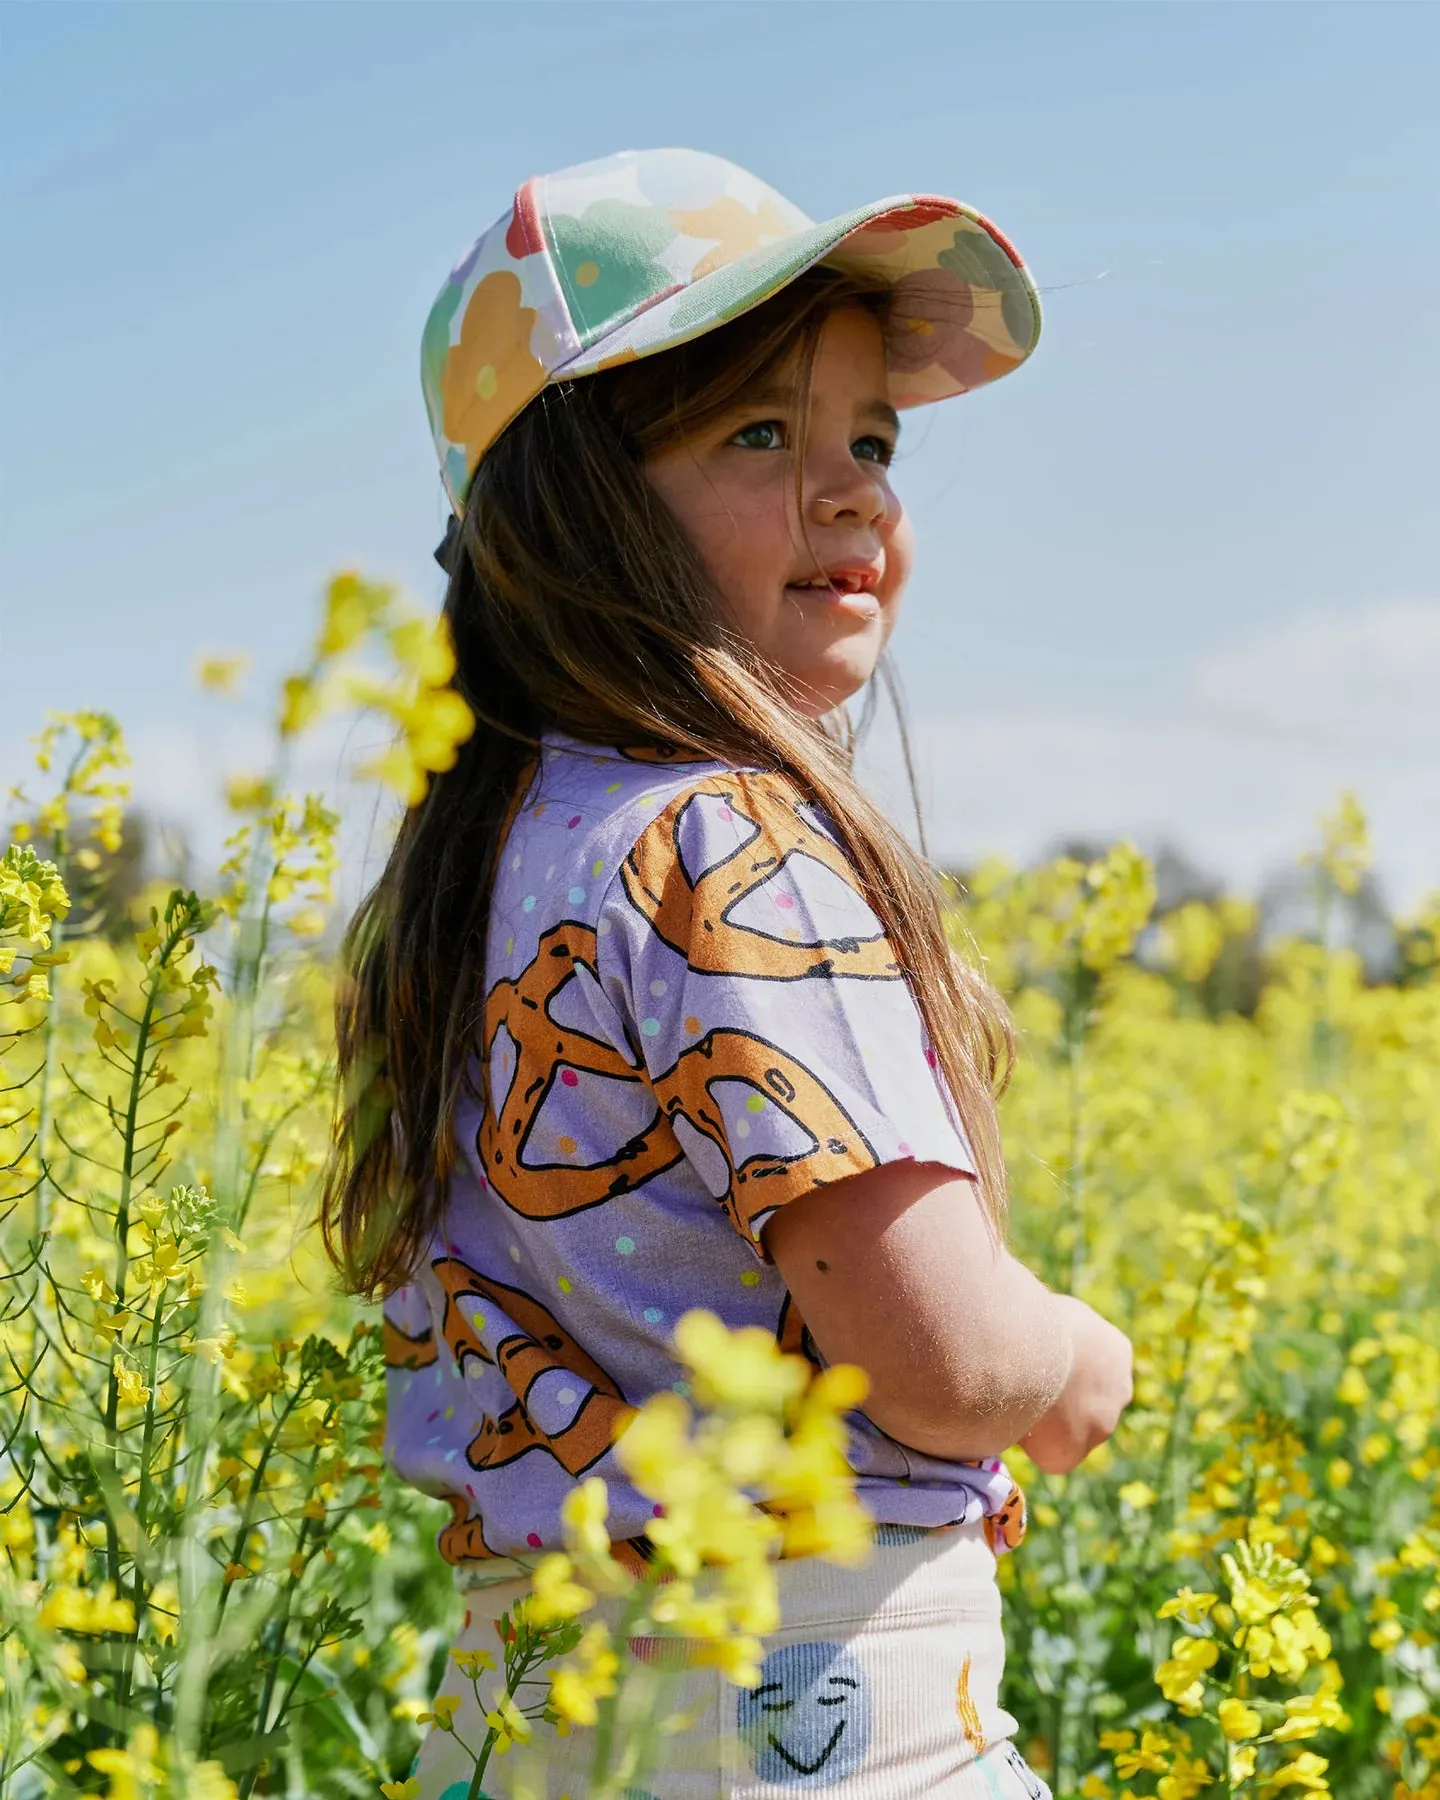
point(1179, 577)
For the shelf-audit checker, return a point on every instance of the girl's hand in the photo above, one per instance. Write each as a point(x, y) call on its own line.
point(1097, 1391)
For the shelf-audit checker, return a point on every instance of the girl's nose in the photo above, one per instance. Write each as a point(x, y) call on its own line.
point(839, 490)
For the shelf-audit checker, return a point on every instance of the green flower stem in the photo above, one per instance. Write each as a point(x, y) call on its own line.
point(45, 1121)
point(142, 1505)
point(517, 1670)
point(278, 1626)
point(122, 1216)
point(635, 1608)
point(247, 1516)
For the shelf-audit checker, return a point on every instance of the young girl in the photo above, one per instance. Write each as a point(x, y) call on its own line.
point(652, 1008)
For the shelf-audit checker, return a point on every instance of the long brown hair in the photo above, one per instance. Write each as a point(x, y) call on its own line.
point(578, 603)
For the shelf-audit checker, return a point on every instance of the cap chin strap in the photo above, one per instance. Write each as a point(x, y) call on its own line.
point(447, 551)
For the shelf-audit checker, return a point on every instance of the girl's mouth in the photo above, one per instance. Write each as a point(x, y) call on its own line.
point(849, 590)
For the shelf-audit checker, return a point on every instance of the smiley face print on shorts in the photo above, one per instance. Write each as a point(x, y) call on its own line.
point(808, 1722)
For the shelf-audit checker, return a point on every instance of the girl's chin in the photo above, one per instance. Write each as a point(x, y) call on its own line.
point(832, 683)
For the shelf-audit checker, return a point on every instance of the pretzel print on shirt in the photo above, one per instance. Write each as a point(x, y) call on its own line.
point(548, 1055)
point(698, 916)
point(406, 1351)
point(536, 1345)
point(822, 1134)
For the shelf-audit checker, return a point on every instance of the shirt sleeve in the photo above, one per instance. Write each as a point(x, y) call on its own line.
point(780, 1037)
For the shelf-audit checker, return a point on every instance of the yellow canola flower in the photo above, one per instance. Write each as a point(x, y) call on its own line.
point(408, 1789)
point(472, 1663)
point(584, 1512)
point(653, 1445)
point(737, 1657)
point(840, 1530)
point(1120, 895)
point(1237, 1720)
point(576, 1691)
point(97, 1286)
point(91, 1611)
point(222, 673)
point(840, 1388)
point(1151, 1755)
point(1188, 1605)
point(554, 1596)
point(748, 1447)
point(572, 1697)
point(712, 1523)
point(353, 606)
point(1305, 1714)
point(1138, 1495)
point(248, 793)
point(433, 726)
point(133, 1771)
point(301, 701)
point(425, 648)
point(1179, 1677)
point(737, 1371)
point(208, 1781)
point(1306, 1772)
point(1186, 1777)
point(1263, 1582)
point(164, 1264)
point(1286, 1646)
point(1353, 1389)
point(1192, 938)
point(32, 897)
point(508, 1723)
point(137, 1772)
point(442, 1712)
point(1346, 850)
point(1243, 1758)
point(751, 1596)
point(131, 1389)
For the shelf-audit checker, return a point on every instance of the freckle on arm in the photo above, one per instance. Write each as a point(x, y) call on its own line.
point(823, 1267)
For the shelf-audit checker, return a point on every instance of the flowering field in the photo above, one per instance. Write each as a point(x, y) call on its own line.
point(211, 1587)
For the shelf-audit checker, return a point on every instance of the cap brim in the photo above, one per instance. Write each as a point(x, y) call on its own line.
point(964, 310)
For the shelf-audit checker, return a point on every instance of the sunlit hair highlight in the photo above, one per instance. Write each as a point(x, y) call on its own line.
point(577, 603)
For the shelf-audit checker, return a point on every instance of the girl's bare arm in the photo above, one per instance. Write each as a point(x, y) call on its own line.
point(897, 1270)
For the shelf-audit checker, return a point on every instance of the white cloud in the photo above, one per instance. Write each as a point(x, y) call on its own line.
point(1262, 740)
point(1364, 683)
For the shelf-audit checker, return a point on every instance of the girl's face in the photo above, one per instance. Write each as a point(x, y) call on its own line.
point(814, 583)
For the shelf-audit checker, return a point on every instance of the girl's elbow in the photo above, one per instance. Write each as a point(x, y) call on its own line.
point(981, 1415)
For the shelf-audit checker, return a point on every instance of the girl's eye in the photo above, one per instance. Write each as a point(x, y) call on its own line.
point(874, 449)
point(768, 434)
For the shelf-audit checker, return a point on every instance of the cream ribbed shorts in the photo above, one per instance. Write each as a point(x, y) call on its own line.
point(882, 1684)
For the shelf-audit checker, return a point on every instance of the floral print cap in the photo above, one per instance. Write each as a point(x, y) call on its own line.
point(620, 258)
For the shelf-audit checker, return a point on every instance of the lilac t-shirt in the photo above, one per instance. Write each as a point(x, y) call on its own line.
point(692, 1016)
